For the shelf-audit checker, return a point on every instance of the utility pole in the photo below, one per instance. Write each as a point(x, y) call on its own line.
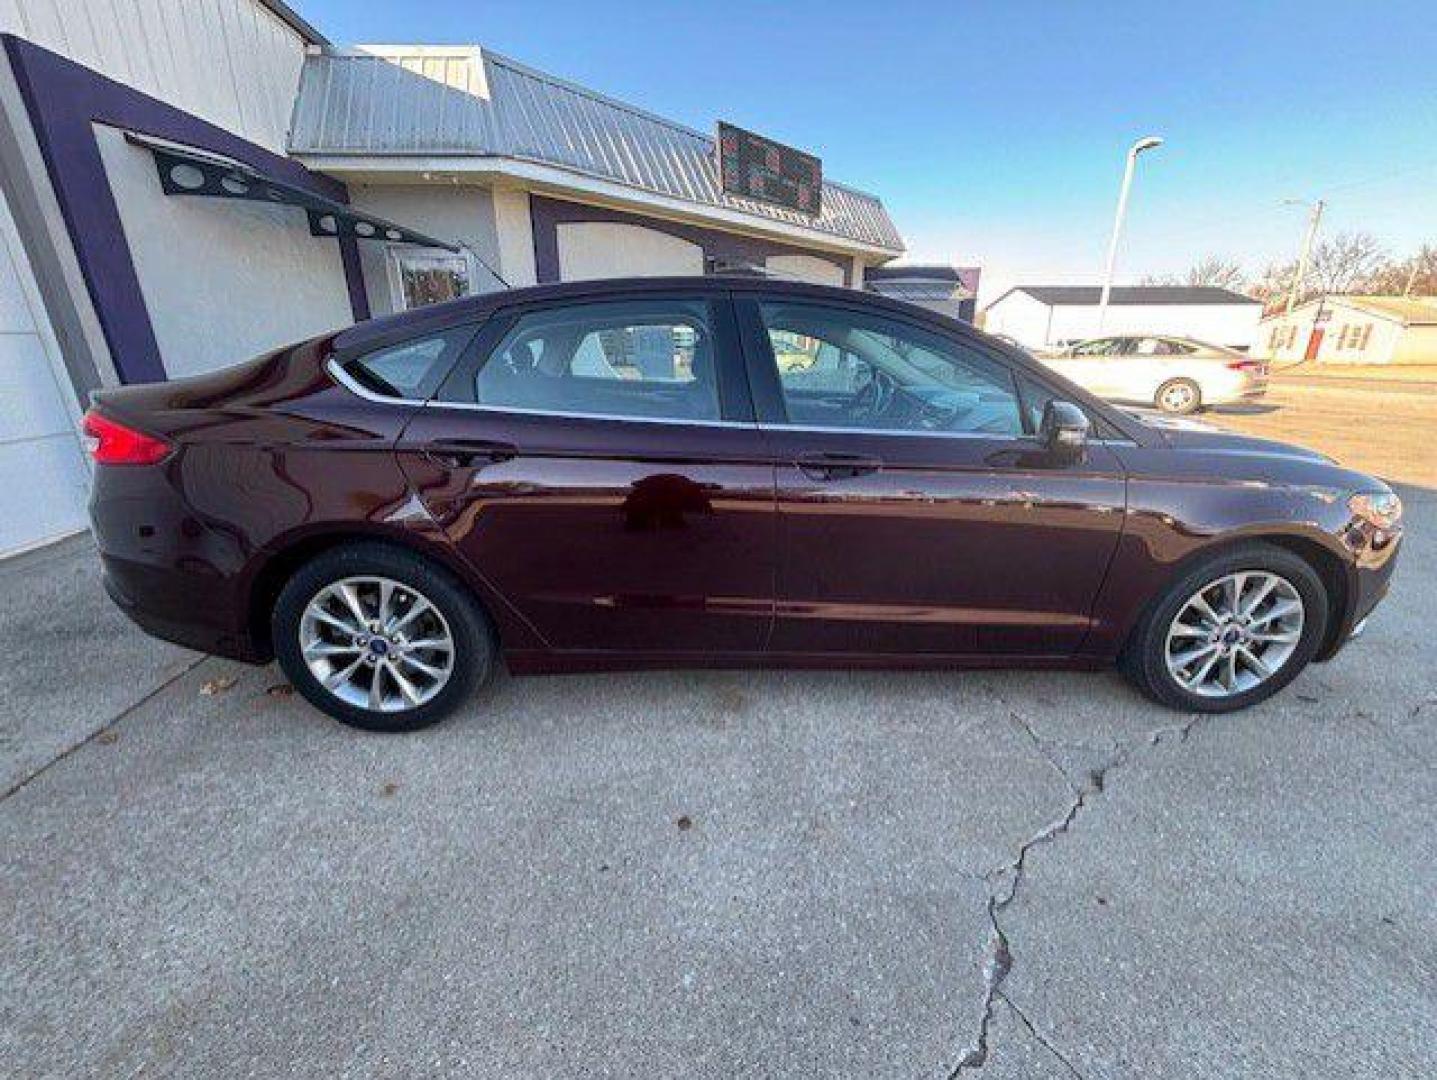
point(1308, 237)
point(1148, 143)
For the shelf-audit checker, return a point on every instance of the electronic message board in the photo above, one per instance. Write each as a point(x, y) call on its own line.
point(757, 168)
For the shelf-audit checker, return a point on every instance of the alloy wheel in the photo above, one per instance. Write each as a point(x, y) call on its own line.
point(1234, 633)
point(1177, 397)
point(376, 644)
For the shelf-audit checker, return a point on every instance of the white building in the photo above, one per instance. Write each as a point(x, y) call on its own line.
point(1354, 330)
point(1047, 316)
point(338, 184)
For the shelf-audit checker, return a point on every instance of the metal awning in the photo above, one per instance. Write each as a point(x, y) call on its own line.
point(185, 170)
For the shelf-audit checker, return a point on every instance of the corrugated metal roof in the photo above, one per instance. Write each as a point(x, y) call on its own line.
point(1408, 310)
point(1089, 295)
point(436, 102)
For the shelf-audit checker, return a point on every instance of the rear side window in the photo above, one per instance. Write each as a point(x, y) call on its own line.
point(411, 369)
point(649, 359)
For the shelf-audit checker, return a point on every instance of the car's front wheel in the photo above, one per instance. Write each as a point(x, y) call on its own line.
point(380, 638)
point(1179, 396)
point(1232, 631)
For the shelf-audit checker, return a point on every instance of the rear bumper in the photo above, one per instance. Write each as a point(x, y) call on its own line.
point(164, 603)
point(175, 576)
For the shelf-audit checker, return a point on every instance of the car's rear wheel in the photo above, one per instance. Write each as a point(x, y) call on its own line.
point(1232, 631)
point(380, 638)
point(1179, 396)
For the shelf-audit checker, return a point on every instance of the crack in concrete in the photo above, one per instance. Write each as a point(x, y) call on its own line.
point(1039, 1037)
point(133, 707)
point(1006, 879)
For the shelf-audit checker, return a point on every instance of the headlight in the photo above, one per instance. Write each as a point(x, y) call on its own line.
point(1380, 509)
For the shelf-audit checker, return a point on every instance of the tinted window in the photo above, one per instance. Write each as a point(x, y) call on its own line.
point(1101, 347)
point(644, 358)
point(411, 369)
point(843, 368)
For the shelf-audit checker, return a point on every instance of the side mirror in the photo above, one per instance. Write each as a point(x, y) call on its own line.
point(1064, 431)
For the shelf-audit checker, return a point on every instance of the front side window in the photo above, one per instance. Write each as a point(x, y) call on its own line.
point(411, 369)
point(838, 367)
point(643, 358)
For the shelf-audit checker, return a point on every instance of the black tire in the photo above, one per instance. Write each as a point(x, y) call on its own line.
point(475, 644)
point(1191, 400)
point(1144, 658)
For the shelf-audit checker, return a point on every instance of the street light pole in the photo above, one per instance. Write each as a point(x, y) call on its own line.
point(1306, 252)
point(1148, 143)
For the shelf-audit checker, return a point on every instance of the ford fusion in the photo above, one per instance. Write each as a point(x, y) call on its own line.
point(711, 472)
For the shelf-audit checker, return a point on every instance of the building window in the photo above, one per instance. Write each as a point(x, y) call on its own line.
point(1364, 337)
point(420, 277)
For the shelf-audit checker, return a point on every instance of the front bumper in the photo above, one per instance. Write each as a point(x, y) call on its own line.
point(1374, 555)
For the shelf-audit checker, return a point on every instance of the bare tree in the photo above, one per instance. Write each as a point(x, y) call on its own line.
point(1274, 284)
point(1216, 272)
point(1211, 270)
point(1344, 264)
point(1416, 275)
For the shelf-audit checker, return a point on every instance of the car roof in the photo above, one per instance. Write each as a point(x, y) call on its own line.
point(469, 308)
point(439, 317)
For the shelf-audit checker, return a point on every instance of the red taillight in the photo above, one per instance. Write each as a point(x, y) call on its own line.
point(1254, 366)
point(112, 443)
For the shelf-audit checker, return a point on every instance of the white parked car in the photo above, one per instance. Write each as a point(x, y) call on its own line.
point(1177, 375)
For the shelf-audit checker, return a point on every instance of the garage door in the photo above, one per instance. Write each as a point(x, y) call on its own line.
point(44, 478)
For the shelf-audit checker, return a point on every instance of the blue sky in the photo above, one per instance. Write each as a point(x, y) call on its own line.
point(994, 132)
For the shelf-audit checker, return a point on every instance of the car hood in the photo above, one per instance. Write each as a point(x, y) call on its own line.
point(1211, 451)
point(1183, 434)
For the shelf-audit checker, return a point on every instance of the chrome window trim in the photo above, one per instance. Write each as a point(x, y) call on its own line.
point(347, 381)
point(824, 430)
point(573, 414)
point(986, 436)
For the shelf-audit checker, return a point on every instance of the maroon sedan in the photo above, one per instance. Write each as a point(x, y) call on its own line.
point(706, 472)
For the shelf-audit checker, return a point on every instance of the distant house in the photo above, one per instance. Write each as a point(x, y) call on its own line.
point(1048, 315)
point(949, 290)
point(1354, 330)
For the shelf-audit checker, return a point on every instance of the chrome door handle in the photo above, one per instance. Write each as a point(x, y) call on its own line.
point(836, 466)
point(463, 453)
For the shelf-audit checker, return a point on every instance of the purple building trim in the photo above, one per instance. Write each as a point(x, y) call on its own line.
point(63, 100)
point(548, 214)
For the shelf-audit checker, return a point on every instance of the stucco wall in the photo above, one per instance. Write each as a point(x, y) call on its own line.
point(806, 268)
point(515, 227)
point(460, 214)
point(223, 279)
point(600, 249)
point(232, 62)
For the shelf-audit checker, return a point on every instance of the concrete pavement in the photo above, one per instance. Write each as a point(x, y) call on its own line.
point(1003, 874)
